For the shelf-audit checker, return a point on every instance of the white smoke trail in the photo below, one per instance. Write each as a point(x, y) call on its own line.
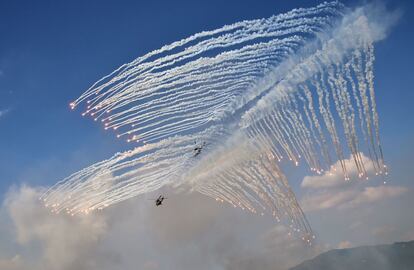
point(217, 111)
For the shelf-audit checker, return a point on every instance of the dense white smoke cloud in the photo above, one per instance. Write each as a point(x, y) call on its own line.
point(62, 242)
point(134, 235)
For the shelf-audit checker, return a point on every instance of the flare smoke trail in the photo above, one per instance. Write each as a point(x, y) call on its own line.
point(293, 86)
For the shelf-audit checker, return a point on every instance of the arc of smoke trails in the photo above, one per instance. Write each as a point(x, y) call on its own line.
point(256, 92)
point(181, 91)
point(329, 71)
point(115, 179)
point(294, 136)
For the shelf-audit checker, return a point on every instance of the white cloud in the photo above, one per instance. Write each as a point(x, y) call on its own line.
point(373, 194)
point(330, 190)
point(334, 177)
point(325, 200)
point(349, 197)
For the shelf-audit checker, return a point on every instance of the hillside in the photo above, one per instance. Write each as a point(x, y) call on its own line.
point(398, 256)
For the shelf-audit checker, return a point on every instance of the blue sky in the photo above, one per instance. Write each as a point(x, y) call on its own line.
point(51, 51)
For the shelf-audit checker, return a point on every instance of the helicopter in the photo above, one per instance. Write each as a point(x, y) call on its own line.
point(197, 149)
point(159, 200)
